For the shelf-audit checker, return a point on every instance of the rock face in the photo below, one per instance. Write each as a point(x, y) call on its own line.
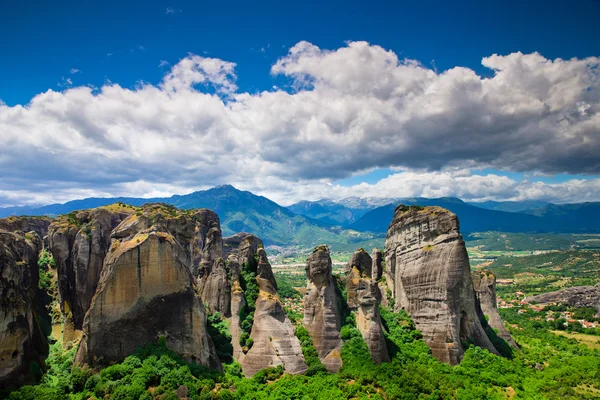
point(205, 220)
point(377, 268)
point(484, 283)
point(38, 225)
point(79, 243)
point(22, 342)
point(321, 313)
point(577, 296)
point(231, 244)
point(364, 297)
point(430, 278)
point(147, 290)
point(272, 332)
point(214, 287)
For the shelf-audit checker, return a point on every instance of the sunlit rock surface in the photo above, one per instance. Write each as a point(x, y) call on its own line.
point(321, 313)
point(147, 290)
point(272, 332)
point(430, 278)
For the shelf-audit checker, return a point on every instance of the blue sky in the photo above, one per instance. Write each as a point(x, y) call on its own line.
point(64, 45)
point(44, 40)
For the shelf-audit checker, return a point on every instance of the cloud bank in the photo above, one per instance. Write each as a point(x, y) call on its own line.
point(352, 109)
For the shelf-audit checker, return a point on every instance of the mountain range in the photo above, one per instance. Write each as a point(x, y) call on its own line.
point(351, 222)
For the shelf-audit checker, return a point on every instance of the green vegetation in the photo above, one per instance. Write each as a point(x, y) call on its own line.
point(549, 366)
point(547, 272)
point(218, 329)
point(529, 242)
point(310, 353)
point(47, 292)
point(250, 288)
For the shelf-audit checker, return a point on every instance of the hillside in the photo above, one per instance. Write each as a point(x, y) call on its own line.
point(329, 212)
point(572, 218)
point(472, 219)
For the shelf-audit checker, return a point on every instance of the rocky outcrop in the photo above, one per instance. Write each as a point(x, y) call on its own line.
point(23, 345)
point(577, 296)
point(238, 304)
point(484, 283)
point(431, 280)
point(79, 242)
point(364, 298)
point(214, 287)
point(321, 312)
point(249, 249)
point(272, 332)
point(38, 225)
point(231, 244)
point(147, 290)
point(377, 268)
point(205, 220)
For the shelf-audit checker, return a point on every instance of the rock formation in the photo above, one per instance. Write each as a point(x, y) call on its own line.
point(205, 220)
point(484, 283)
point(377, 268)
point(431, 280)
point(272, 332)
point(321, 313)
point(79, 242)
point(146, 291)
point(214, 287)
point(577, 296)
point(20, 225)
point(364, 297)
point(231, 244)
point(23, 345)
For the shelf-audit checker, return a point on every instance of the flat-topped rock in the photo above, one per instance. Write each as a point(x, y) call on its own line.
point(431, 279)
point(321, 313)
point(147, 290)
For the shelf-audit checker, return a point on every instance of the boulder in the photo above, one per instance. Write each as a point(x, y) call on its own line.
point(431, 280)
point(321, 310)
point(484, 283)
point(79, 242)
point(23, 345)
point(147, 290)
point(272, 332)
point(364, 298)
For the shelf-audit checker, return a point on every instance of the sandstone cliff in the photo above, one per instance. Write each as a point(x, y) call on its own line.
point(79, 242)
point(231, 244)
point(243, 254)
point(214, 286)
point(364, 297)
point(272, 332)
point(484, 283)
point(38, 225)
point(23, 345)
point(205, 220)
point(147, 290)
point(321, 313)
point(431, 280)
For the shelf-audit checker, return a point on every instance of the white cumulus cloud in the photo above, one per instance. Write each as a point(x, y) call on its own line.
point(352, 109)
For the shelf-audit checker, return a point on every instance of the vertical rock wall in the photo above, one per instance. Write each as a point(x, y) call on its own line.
point(429, 270)
point(321, 314)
